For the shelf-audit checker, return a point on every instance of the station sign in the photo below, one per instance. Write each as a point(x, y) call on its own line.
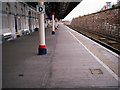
point(41, 8)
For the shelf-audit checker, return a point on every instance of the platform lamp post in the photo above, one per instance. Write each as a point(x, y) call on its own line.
point(42, 49)
point(53, 23)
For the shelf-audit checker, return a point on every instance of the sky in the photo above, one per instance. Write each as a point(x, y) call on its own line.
point(87, 7)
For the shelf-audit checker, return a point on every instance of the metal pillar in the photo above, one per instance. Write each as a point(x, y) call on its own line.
point(53, 25)
point(42, 49)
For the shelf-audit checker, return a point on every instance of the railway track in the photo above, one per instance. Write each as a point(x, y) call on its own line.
point(104, 40)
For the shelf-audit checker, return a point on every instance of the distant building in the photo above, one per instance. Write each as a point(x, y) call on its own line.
point(107, 6)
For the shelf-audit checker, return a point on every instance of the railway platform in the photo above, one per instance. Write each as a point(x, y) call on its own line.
point(72, 61)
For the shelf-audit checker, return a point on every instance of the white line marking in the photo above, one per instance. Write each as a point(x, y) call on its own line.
point(111, 72)
point(95, 43)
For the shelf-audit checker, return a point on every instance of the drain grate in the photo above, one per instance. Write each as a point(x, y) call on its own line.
point(96, 71)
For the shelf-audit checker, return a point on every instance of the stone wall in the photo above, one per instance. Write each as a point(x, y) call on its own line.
point(106, 22)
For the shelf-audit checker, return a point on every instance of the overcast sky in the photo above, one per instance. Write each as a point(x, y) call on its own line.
point(87, 6)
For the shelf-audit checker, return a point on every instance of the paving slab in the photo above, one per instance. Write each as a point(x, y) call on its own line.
point(71, 65)
point(20, 57)
point(111, 59)
point(67, 64)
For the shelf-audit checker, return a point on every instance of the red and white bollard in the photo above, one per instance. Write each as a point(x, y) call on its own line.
point(53, 24)
point(42, 49)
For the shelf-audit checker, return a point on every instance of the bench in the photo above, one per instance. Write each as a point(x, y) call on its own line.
point(7, 36)
point(25, 32)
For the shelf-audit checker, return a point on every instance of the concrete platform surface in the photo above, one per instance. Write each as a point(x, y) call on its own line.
point(68, 63)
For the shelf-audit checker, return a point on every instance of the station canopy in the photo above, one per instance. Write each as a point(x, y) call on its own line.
point(61, 9)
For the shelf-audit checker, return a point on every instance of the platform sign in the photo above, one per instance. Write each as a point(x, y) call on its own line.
point(41, 8)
